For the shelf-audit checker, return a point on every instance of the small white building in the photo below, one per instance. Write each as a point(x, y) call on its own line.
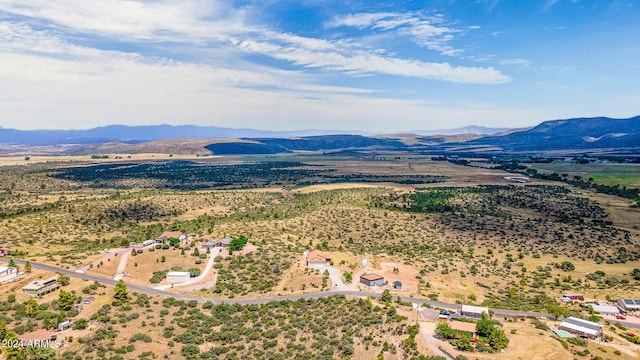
point(473, 311)
point(7, 273)
point(178, 277)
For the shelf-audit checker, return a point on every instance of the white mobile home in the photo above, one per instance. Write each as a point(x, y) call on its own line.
point(7, 273)
point(178, 277)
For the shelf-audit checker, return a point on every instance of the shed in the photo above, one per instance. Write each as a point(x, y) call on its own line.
point(178, 277)
point(372, 279)
point(572, 297)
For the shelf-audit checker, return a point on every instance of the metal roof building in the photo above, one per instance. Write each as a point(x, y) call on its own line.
point(579, 326)
point(629, 304)
point(473, 311)
point(605, 309)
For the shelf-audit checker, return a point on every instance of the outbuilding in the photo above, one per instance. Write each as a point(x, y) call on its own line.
point(629, 304)
point(178, 277)
point(605, 309)
point(571, 297)
point(7, 273)
point(473, 311)
point(64, 325)
point(372, 279)
point(581, 327)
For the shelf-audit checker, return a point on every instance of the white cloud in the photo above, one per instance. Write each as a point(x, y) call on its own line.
point(426, 31)
point(520, 62)
point(49, 78)
point(352, 60)
point(141, 20)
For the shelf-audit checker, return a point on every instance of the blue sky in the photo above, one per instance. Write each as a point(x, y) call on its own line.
point(378, 67)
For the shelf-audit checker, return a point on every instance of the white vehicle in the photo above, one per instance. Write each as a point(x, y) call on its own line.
point(106, 251)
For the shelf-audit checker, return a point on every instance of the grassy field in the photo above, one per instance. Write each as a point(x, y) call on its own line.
point(605, 174)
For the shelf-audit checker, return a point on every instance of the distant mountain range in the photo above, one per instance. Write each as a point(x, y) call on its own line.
point(580, 134)
point(472, 130)
point(570, 134)
point(137, 134)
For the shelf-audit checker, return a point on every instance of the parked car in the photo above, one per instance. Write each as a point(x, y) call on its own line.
point(106, 251)
point(620, 317)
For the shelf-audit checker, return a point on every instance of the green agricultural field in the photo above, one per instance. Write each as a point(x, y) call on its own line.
point(606, 174)
point(628, 180)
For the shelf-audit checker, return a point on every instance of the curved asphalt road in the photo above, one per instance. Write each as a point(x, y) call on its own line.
point(152, 291)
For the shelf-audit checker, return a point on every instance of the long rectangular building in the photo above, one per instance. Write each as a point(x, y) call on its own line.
point(581, 327)
point(605, 309)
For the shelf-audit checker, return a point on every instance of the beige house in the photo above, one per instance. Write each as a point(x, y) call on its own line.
point(41, 287)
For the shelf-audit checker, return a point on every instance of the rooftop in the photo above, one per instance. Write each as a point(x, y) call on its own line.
point(475, 309)
point(583, 326)
point(39, 284)
point(463, 326)
point(563, 334)
point(318, 255)
point(171, 234)
point(178, 273)
point(38, 335)
point(371, 277)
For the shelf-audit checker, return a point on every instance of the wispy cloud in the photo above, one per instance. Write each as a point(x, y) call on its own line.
point(426, 31)
point(520, 62)
point(195, 60)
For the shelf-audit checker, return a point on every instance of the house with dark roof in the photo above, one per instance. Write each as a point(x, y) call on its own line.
point(171, 235)
point(217, 243)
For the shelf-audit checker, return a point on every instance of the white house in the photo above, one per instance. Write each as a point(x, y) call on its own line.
point(7, 273)
point(178, 277)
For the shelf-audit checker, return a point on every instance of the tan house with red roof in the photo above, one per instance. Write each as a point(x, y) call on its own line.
point(317, 258)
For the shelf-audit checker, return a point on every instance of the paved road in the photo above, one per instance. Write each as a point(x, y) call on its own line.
point(158, 292)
